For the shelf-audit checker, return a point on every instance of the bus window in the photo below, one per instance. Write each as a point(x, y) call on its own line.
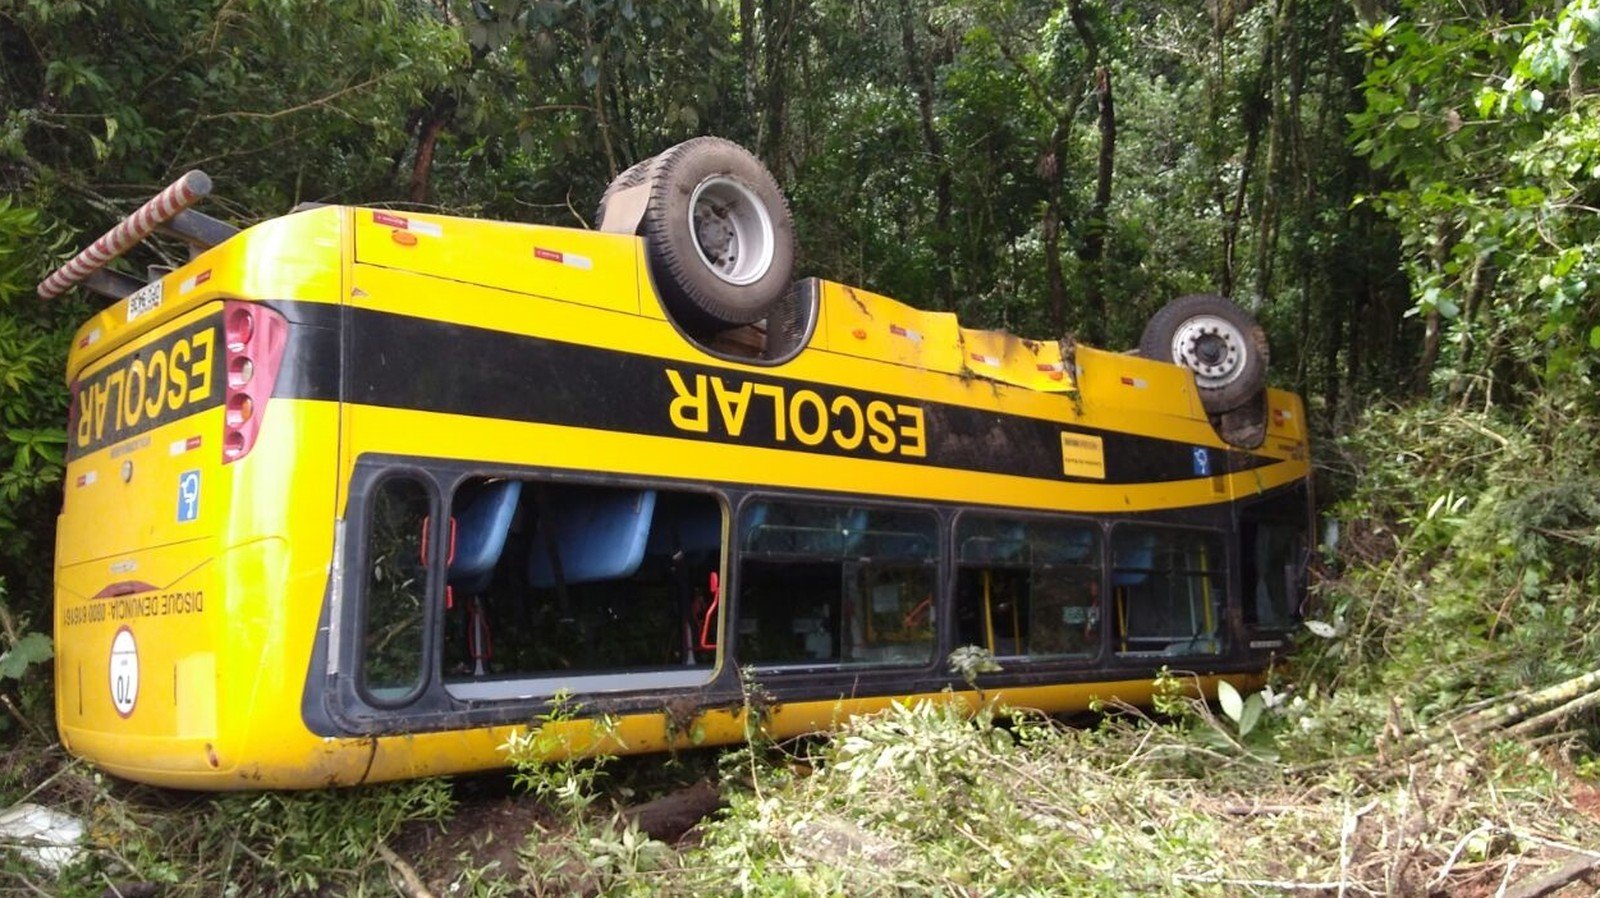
point(1272, 541)
point(836, 584)
point(397, 589)
point(1169, 590)
point(569, 579)
point(1028, 588)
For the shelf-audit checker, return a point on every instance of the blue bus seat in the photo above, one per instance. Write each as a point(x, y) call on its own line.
point(680, 527)
point(1140, 557)
point(481, 531)
point(599, 535)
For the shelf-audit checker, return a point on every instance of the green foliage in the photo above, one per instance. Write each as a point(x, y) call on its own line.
point(309, 841)
point(1486, 126)
point(281, 100)
point(33, 342)
point(1244, 712)
point(28, 650)
point(1470, 567)
point(969, 661)
point(290, 843)
point(923, 800)
point(557, 758)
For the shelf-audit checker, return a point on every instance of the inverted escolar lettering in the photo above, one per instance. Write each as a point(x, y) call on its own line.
point(803, 417)
point(162, 382)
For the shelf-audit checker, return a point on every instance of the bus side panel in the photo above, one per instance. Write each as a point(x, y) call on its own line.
point(281, 584)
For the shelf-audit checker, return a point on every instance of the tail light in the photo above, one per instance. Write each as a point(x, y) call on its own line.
point(254, 337)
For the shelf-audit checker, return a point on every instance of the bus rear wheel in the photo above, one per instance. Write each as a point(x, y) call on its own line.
point(718, 234)
point(1218, 341)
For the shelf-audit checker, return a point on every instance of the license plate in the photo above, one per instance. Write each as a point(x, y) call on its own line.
point(145, 299)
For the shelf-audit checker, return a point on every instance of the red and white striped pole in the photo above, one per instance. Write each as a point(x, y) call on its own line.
point(177, 196)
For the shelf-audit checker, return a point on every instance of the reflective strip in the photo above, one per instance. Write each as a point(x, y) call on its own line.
point(178, 195)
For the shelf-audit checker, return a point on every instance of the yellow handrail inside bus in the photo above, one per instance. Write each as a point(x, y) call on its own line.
point(988, 613)
point(1016, 629)
point(1120, 593)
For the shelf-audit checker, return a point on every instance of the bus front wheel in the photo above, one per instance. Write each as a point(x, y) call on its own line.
point(1218, 341)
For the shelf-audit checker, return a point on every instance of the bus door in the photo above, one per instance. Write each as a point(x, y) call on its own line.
point(1274, 551)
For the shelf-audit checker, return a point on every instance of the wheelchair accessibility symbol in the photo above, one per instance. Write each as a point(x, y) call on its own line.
point(1202, 461)
point(188, 496)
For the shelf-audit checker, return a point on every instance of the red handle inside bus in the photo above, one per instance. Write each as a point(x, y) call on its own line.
point(707, 644)
point(422, 553)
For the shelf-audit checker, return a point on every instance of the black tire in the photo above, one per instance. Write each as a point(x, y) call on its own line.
point(1218, 341)
point(632, 176)
point(718, 235)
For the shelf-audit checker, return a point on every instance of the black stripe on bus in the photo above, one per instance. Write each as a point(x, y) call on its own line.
point(400, 361)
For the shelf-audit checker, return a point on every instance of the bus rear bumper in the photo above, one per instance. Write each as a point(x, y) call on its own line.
point(203, 764)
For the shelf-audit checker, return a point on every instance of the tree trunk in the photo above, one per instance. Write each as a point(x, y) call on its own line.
point(433, 122)
point(747, 53)
point(1050, 229)
point(1254, 119)
point(1092, 252)
point(919, 71)
point(778, 31)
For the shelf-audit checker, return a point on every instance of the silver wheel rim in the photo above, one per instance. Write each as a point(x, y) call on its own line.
point(1213, 348)
point(732, 230)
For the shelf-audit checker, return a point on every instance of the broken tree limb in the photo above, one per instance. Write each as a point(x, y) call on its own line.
point(411, 883)
point(1553, 882)
point(1552, 718)
point(666, 819)
point(1508, 713)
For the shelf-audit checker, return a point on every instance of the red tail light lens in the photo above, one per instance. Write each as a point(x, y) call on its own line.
point(255, 337)
point(241, 324)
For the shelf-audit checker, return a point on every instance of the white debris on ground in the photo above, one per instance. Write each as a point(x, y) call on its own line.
point(43, 836)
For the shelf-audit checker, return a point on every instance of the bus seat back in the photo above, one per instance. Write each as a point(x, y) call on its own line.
point(481, 531)
point(1140, 556)
point(683, 527)
point(597, 536)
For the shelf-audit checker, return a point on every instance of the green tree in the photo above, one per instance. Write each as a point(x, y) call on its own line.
point(1484, 118)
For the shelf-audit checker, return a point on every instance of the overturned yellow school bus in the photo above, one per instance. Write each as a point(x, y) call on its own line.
point(354, 494)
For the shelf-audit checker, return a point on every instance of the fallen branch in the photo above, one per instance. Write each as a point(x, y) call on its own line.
point(1551, 883)
point(410, 882)
point(1551, 718)
point(1509, 712)
point(666, 819)
point(1287, 885)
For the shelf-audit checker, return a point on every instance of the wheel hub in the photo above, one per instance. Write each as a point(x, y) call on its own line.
point(732, 230)
point(1213, 348)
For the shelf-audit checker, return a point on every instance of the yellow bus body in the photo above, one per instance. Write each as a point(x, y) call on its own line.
point(224, 606)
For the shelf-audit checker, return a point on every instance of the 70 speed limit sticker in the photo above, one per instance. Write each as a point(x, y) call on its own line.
point(124, 672)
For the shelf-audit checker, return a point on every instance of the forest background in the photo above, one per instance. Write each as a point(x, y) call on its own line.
point(1405, 192)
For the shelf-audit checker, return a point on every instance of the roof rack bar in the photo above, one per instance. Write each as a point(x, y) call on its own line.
point(110, 283)
point(198, 229)
point(177, 196)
